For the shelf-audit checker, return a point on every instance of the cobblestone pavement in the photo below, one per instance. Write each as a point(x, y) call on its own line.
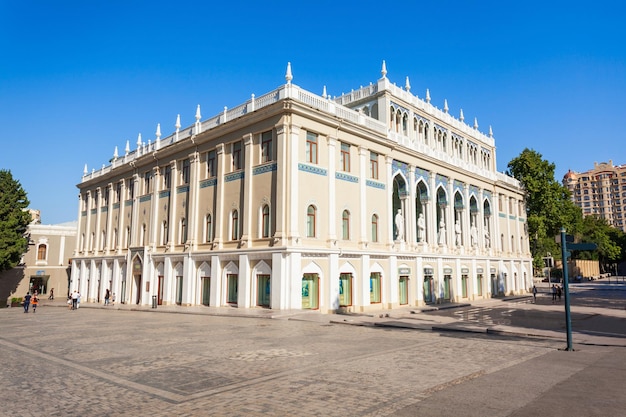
point(101, 362)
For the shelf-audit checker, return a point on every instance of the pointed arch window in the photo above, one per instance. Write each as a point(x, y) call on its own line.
point(234, 225)
point(183, 231)
point(209, 228)
point(311, 213)
point(345, 225)
point(374, 228)
point(265, 221)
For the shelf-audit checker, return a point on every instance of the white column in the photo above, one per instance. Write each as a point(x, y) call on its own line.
point(364, 216)
point(332, 202)
point(244, 295)
point(295, 212)
point(247, 210)
point(220, 216)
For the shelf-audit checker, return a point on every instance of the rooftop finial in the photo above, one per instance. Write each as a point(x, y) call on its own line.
point(158, 131)
point(288, 75)
point(461, 117)
point(198, 115)
point(324, 92)
point(427, 95)
point(407, 86)
point(383, 70)
point(177, 125)
point(139, 140)
point(85, 170)
point(115, 154)
point(475, 123)
point(127, 149)
point(490, 132)
point(445, 105)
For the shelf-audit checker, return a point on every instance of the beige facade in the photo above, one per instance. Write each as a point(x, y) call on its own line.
point(46, 264)
point(292, 200)
point(601, 192)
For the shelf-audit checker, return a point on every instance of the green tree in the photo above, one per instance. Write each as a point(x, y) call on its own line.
point(548, 203)
point(14, 221)
point(608, 239)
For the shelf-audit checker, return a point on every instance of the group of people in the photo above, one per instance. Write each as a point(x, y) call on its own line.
point(73, 300)
point(31, 300)
point(557, 291)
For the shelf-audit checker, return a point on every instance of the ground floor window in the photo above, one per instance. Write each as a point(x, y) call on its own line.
point(375, 288)
point(404, 290)
point(179, 290)
point(263, 290)
point(206, 290)
point(464, 286)
point(39, 284)
point(232, 282)
point(345, 290)
point(446, 287)
point(479, 284)
point(428, 288)
point(310, 291)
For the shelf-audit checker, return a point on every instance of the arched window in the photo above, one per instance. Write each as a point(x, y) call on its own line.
point(234, 225)
point(265, 221)
point(183, 231)
point(209, 228)
point(345, 225)
point(42, 252)
point(374, 228)
point(310, 221)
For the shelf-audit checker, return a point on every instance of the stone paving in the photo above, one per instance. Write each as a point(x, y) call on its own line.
point(110, 362)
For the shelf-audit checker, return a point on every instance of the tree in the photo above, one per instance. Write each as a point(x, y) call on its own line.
point(14, 221)
point(548, 203)
point(608, 239)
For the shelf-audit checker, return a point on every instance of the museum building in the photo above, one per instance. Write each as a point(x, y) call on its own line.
point(372, 200)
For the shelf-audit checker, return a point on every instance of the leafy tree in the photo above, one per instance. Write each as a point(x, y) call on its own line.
point(548, 203)
point(14, 221)
point(608, 239)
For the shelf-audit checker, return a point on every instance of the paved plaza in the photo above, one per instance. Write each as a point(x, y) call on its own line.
point(118, 362)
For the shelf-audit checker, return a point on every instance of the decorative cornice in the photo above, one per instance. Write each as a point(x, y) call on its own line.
point(234, 176)
point(312, 169)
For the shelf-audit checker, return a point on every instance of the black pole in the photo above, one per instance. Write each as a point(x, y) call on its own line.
point(568, 320)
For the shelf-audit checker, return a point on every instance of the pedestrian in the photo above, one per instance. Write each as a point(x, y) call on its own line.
point(74, 300)
point(78, 300)
point(553, 293)
point(35, 302)
point(69, 302)
point(27, 298)
point(107, 295)
point(51, 297)
point(113, 299)
point(535, 293)
point(559, 291)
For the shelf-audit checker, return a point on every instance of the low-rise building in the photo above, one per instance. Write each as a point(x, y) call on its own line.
point(293, 200)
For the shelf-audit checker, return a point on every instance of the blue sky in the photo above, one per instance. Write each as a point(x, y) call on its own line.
point(78, 79)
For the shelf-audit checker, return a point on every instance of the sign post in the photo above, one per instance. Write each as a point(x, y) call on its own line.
point(564, 255)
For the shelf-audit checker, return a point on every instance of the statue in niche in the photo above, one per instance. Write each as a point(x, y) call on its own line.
point(487, 240)
point(474, 235)
point(442, 232)
point(421, 227)
point(457, 232)
point(399, 220)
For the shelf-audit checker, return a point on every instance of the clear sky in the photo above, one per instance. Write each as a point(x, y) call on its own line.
point(78, 79)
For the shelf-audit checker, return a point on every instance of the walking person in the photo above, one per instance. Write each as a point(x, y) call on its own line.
point(107, 295)
point(553, 293)
point(27, 298)
point(51, 297)
point(535, 294)
point(74, 300)
point(559, 291)
point(35, 302)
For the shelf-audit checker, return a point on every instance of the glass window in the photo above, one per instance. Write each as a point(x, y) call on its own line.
point(345, 290)
point(185, 171)
point(310, 221)
point(345, 225)
point(345, 157)
point(211, 164)
point(374, 228)
point(266, 147)
point(42, 252)
point(265, 221)
point(209, 228)
point(311, 148)
point(374, 165)
point(235, 225)
point(236, 156)
point(375, 287)
point(183, 231)
point(131, 189)
point(167, 177)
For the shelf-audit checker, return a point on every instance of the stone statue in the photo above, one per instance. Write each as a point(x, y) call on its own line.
point(474, 235)
point(457, 232)
point(399, 220)
point(487, 240)
point(442, 233)
point(421, 226)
